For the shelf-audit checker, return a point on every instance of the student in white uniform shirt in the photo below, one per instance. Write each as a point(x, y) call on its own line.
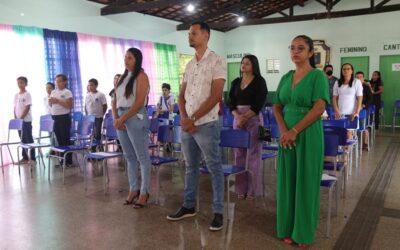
point(95, 104)
point(165, 105)
point(22, 110)
point(60, 102)
point(49, 87)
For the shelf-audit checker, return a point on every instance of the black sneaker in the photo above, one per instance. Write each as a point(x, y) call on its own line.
point(217, 223)
point(182, 213)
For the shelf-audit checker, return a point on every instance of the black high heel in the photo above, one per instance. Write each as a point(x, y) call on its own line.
point(140, 205)
point(134, 198)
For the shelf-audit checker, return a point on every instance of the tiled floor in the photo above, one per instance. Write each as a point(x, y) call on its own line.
point(39, 214)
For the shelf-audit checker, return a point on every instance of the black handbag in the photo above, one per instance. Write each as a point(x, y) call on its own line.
point(264, 134)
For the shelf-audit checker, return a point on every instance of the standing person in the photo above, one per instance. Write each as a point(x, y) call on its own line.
point(22, 110)
point(246, 100)
point(200, 94)
point(95, 104)
point(115, 82)
point(303, 93)
point(377, 90)
point(347, 94)
point(328, 69)
point(132, 124)
point(366, 102)
point(49, 89)
point(165, 105)
point(60, 102)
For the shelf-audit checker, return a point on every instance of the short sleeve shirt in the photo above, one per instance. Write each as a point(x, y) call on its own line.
point(199, 76)
point(94, 103)
point(20, 103)
point(348, 96)
point(64, 94)
point(170, 101)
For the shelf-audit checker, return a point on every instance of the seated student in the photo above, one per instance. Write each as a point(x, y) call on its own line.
point(22, 110)
point(366, 101)
point(96, 105)
point(165, 105)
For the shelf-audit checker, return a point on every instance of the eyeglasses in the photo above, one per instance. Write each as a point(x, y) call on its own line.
point(298, 49)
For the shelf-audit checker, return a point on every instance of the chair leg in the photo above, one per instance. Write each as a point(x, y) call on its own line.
point(328, 223)
point(158, 185)
point(228, 198)
point(84, 174)
point(1, 156)
point(105, 175)
point(9, 151)
point(19, 164)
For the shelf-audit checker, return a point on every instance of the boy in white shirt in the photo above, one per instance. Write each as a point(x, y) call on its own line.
point(22, 110)
point(96, 105)
point(165, 105)
point(60, 102)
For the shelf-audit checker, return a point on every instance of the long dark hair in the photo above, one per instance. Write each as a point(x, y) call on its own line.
point(254, 64)
point(341, 80)
point(310, 44)
point(379, 76)
point(138, 67)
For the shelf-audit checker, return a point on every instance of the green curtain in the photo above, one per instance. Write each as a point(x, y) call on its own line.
point(167, 67)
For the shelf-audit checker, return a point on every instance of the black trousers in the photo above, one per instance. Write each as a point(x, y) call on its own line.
point(62, 128)
point(27, 138)
point(98, 123)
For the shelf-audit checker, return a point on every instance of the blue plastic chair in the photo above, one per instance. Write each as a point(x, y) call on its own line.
point(332, 163)
point(329, 182)
point(396, 114)
point(13, 124)
point(46, 126)
point(231, 138)
point(151, 109)
point(157, 161)
point(176, 108)
point(177, 120)
point(371, 123)
point(83, 143)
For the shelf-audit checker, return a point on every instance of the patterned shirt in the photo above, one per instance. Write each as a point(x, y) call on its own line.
point(198, 77)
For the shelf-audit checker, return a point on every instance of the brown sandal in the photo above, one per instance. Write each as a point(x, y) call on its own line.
point(134, 199)
point(141, 205)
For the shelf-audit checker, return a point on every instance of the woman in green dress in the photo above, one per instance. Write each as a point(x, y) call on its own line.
point(302, 94)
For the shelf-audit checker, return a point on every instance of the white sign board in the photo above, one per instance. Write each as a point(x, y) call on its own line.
point(396, 67)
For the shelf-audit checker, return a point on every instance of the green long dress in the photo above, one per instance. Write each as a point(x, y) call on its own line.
point(300, 168)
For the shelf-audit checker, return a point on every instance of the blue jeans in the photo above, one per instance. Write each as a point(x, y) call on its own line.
point(206, 141)
point(135, 144)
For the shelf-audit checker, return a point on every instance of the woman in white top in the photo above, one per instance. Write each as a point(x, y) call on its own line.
point(347, 94)
point(132, 124)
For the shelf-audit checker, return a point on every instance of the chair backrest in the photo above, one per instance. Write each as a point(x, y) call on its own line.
point(235, 138)
point(227, 118)
point(89, 117)
point(15, 124)
point(84, 132)
point(331, 145)
point(338, 131)
point(177, 120)
point(176, 108)
point(46, 125)
point(45, 117)
point(177, 136)
point(362, 116)
point(153, 125)
point(274, 130)
point(397, 104)
point(77, 116)
point(151, 109)
point(163, 134)
point(111, 132)
point(335, 123)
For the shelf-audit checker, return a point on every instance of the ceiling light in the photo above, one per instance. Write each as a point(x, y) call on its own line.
point(240, 19)
point(190, 8)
